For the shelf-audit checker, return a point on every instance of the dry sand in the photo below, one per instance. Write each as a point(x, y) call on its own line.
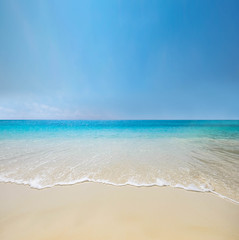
point(101, 212)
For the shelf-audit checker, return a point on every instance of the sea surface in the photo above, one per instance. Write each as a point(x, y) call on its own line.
point(195, 155)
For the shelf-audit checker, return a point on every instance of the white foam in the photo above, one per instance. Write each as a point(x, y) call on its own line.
point(225, 197)
point(35, 183)
point(192, 187)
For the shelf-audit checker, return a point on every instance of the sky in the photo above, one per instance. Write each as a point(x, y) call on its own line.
point(119, 59)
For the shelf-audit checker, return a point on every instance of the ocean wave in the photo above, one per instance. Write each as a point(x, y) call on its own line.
point(35, 183)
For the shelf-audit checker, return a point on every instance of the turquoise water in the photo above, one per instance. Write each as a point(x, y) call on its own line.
point(195, 155)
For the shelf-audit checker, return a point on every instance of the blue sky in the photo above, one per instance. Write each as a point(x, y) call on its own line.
point(119, 59)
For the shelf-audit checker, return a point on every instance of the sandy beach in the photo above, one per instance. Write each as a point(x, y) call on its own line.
point(99, 211)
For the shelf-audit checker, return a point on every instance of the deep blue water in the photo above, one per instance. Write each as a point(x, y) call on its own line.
point(119, 128)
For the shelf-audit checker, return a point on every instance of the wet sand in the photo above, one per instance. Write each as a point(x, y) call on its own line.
point(97, 211)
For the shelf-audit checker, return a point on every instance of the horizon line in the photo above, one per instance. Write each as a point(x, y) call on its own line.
point(53, 119)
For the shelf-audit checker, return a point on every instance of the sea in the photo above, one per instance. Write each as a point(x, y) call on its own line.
point(195, 155)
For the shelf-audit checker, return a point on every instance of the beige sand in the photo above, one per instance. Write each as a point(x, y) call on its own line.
point(97, 211)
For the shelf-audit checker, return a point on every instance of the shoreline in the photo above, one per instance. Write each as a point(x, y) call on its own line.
point(181, 187)
point(102, 211)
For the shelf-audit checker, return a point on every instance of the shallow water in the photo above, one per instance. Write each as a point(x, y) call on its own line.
point(195, 155)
